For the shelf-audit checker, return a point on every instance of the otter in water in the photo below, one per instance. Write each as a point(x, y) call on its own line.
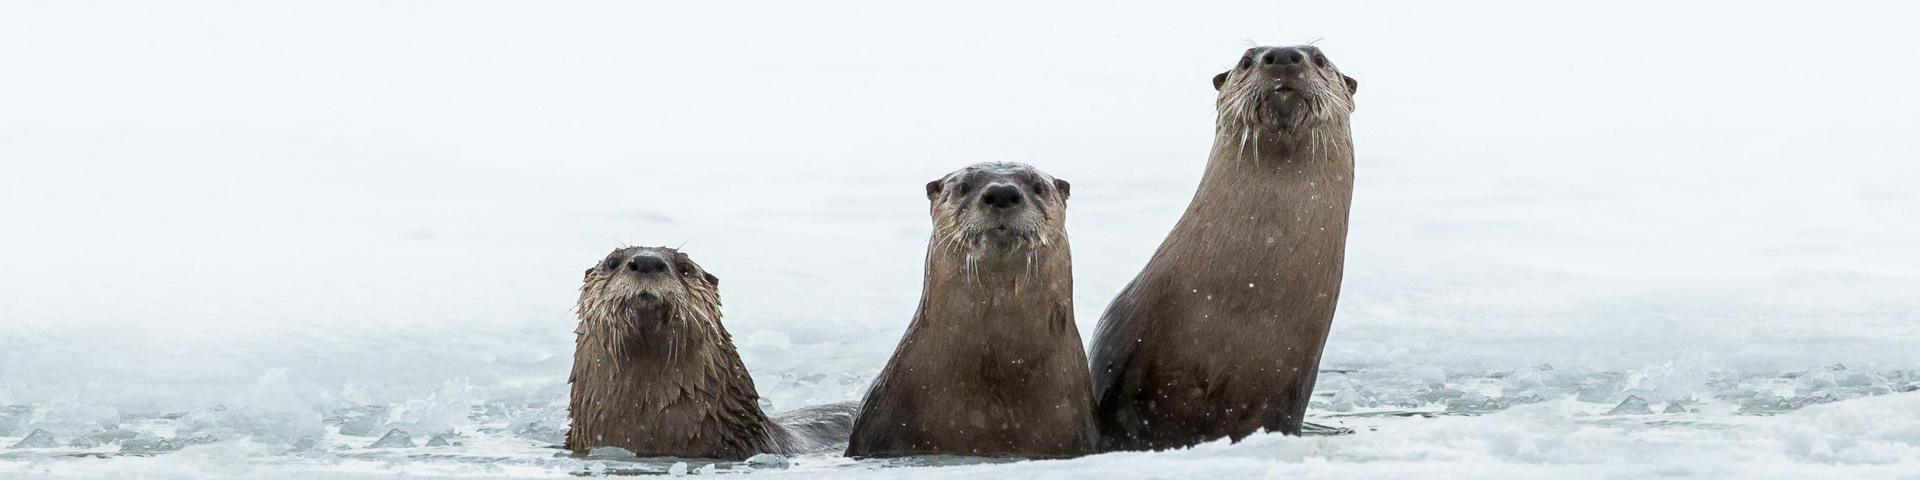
point(1221, 334)
point(992, 364)
point(655, 373)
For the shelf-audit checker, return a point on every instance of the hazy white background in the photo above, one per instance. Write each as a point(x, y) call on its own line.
point(380, 199)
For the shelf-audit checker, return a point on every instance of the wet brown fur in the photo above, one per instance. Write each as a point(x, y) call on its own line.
point(658, 375)
point(1221, 334)
point(992, 364)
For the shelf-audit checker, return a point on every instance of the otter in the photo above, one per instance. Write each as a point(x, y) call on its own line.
point(1221, 334)
point(655, 373)
point(992, 364)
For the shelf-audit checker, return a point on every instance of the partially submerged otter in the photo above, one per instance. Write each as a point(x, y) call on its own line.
point(655, 373)
point(992, 363)
point(1221, 334)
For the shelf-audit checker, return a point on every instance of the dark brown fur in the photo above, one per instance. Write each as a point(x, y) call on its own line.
point(1221, 334)
point(992, 364)
point(655, 373)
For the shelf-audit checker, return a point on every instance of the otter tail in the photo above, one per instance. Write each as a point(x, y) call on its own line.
point(819, 428)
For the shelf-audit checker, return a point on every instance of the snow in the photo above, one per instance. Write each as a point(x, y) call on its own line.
point(255, 240)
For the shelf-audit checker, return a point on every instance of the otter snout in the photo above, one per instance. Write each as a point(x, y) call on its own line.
point(646, 263)
point(1001, 196)
point(1284, 59)
point(1283, 88)
point(1282, 56)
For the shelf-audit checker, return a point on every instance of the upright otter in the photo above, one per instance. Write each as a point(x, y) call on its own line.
point(992, 363)
point(1220, 335)
point(655, 373)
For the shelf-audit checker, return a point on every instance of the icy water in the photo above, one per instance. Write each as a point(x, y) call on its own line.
point(272, 242)
point(1536, 417)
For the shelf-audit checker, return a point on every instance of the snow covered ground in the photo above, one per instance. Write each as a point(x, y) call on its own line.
point(255, 240)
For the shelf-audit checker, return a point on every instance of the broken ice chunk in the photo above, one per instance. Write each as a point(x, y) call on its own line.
point(360, 427)
point(147, 444)
point(612, 453)
point(679, 469)
point(1674, 408)
point(116, 435)
point(1765, 405)
point(1633, 405)
point(1310, 429)
point(13, 418)
point(1438, 395)
point(394, 439)
point(768, 461)
point(38, 439)
point(438, 441)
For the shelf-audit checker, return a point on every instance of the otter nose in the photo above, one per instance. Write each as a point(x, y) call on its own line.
point(1283, 56)
point(646, 264)
point(1001, 196)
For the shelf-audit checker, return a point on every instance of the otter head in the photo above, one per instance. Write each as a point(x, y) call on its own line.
point(638, 287)
point(998, 209)
point(1283, 89)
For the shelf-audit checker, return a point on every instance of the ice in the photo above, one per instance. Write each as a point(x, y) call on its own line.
point(545, 425)
point(13, 418)
point(149, 444)
point(1597, 393)
point(362, 422)
point(1345, 400)
point(768, 461)
point(438, 441)
point(1432, 376)
point(1474, 404)
point(611, 453)
point(1440, 395)
point(679, 469)
point(394, 438)
point(1674, 408)
point(1477, 404)
point(37, 439)
point(1539, 380)
point(708, 469)
point(1633, 405)
point(115, 435)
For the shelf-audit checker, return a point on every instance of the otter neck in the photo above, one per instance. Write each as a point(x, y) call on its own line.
point(1273, 206)
point(1325, 150)
point(972, 287)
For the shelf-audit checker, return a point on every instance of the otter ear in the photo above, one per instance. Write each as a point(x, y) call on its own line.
point(1352, 85)
point(1219, 80)
point(933, 188)
point(588, 275)
point(1066, 189)
point(711, 280)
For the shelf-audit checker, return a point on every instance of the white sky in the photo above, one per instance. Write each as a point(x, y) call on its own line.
point(519, 83)
point(200, 151)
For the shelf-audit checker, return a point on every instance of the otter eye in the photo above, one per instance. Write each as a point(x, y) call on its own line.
point(966, 188)
point(1320, 60)
point(1246, 61)
point(685, 268)
point(1040, 189)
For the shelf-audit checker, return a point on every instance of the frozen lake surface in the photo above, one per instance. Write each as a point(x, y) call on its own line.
point(267, 242)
